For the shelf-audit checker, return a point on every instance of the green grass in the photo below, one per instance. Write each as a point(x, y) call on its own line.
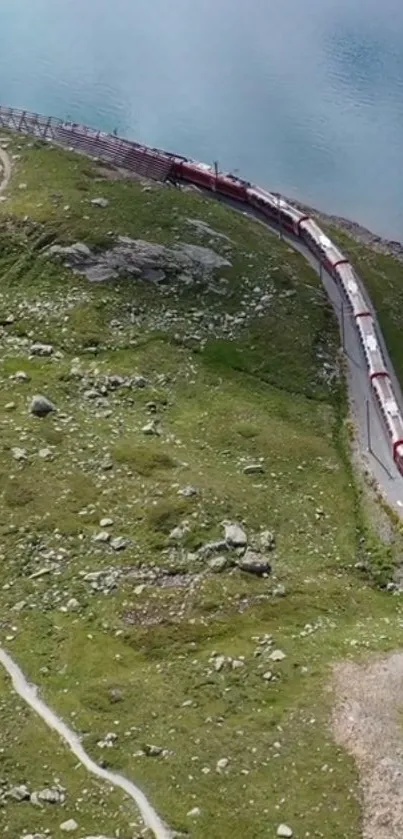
point(222, 401)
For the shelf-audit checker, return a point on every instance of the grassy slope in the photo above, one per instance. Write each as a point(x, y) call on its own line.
point(262, 394)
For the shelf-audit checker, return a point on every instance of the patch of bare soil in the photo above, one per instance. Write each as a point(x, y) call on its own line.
point(368, 723)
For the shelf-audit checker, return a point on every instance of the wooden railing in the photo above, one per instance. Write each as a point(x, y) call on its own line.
point(147, 162)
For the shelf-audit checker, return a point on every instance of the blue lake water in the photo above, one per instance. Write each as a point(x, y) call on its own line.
point(303, 96)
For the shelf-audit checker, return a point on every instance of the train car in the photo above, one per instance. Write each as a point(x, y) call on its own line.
point(370, 344)
point(323, 248)
point(392, 417)
point(347, 279)
point(273, 207)
point(232, 187)
point(199, 174)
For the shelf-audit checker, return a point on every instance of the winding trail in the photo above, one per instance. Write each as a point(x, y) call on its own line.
point(29, 694)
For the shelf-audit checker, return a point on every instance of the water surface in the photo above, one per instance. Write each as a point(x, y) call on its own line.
point(304, 97)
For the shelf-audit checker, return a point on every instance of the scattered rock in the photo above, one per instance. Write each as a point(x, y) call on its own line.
point(194, 813)
point(254, 563)
point(218, 564)
point(219, 662)
point(284, 831)
point(235, 536)
point(237, 664)
point(72, 605)
point(41, 349)
point(50, 795)
point(151, 428)
point(100, 202)
point(45, 454)
point(267, 540)
point(277, 655)
point(179, 532)
point(41, 406)
point(19, 454)
point(153, 751)
point(106, 522)
point(102, 537)
point(69, 826)
point(279, 591)
point(19, 793)
point(222, 764)
point(254, 469)
point(267, 676)
point(119, 543)
point(188, 492)
point(21, 376)
point(108, 740)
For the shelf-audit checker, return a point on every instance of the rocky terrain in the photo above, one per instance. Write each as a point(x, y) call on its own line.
point(185, 547)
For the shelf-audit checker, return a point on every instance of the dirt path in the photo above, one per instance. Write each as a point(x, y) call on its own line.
point(368, 723)
point(5, 169)
point(29, 694)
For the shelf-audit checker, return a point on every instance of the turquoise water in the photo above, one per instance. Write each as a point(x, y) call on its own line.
point(304, 96)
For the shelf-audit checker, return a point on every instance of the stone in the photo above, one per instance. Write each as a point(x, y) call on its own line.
point(267, 540)
point(41, 349)
point(179, 532)
point(222, 764)
point(72, 605)
point(19, 454)
point(188, 492)
point(219, 662)
point(267, 676)
point(237, 664)
point(153, 751)
point(235, 536)
point(140, 381)
point(254, 563)
point(119, 543)
point(41, 406)
point(50, 795)
point(150, 428)
point(279, 591)
point(277, 655)
point(106, 522)
point(100, 202)
point(101, 537)
point(10, 406)
point(254, 469)
point(45, 454)
point(284, 831)
point(194, 812)
point(69, 826)
point(218, 564)
point(19, 793)
point(21, 376)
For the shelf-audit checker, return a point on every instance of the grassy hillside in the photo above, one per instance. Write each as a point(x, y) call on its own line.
point(152, 637)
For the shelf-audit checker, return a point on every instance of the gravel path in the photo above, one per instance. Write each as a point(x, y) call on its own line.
point(5, 170)
point(368, 723)
point(29, 694)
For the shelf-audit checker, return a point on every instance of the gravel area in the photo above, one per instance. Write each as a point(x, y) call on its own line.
point(368, 723)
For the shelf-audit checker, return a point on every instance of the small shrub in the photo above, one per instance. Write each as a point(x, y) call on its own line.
point(165, 515)
point(144, 459)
